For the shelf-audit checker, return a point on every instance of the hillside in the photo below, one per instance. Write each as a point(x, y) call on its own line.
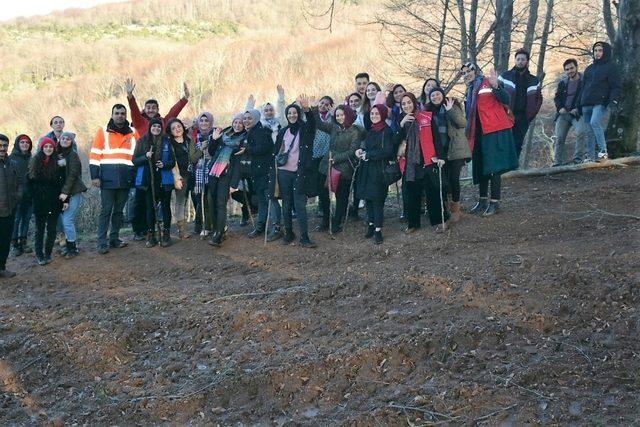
point(527, 318)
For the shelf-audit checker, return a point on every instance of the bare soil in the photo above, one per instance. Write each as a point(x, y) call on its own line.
point(528, 317)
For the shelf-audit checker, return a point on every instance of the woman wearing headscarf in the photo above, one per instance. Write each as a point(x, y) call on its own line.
point(200, 161)
point(225, 148)
point(181, 142)
point(72, 190)
point(21, 155)
point(320, 148)
point(345, 140)
point(154, 158)
point(489, 134)
point(295, 175)
point(449, 125)
point(45, 179)
point(424, 154)
point(376, 151)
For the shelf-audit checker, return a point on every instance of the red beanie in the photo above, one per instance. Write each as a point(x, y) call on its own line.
point(46, 140)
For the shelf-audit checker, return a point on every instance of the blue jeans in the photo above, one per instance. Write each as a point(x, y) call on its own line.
point(69, 217)
point(291, 197)
point(564, 122)
point(594, 115)
point(23, 217)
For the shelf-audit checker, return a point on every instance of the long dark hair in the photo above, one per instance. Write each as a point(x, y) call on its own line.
point(391, 100)
point(366, 104)
point(41, 167)
point(423, 99)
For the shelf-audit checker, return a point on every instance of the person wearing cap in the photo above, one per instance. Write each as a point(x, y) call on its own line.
point(601, 90)
point(525, 95)
point(11, 184)
point(21, 155)
point(46, 179)
point(72, 190)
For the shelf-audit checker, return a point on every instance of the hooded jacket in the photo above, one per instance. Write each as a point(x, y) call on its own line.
point(21, 161)
point(601, 80)
point(534, 91)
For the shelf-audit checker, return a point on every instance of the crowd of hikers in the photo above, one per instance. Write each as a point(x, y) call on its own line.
point(273, 159)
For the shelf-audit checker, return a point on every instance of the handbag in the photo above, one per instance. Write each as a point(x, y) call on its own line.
point(391, 173)
point(283, 157)
point(333, 179)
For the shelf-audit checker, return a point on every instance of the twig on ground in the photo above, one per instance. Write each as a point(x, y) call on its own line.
point(259, 294)
point(508, 381)
point(216, 380)
point(424, 411)
point(586, 214)
point(24, 367)
point(578, 349)
point(484, 417)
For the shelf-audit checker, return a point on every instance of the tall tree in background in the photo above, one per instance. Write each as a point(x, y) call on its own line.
point(624, 33)
point(502, 35)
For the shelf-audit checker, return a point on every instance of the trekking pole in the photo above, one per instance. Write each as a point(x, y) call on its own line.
point(330, 181)
point(266, 225)
point(246, 202)
point(440, 195)
point(155, 201)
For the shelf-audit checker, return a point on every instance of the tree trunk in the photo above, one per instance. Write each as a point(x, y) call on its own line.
point(623, 131)
point(473, 32)
point(464, 37)
point(502, 37)
point(443, 28)
point(531, 24)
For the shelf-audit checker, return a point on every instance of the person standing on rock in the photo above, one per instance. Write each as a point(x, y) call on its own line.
point(46, 179)
point(601, 90)
point(525, 95)
point(11, 184)
point(489, 127)
point(21, 155)
point(111, 169)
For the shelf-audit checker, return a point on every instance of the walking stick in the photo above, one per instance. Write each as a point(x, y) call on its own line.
point(155, 201)
point(353, 179)
point(330, 181)
point(246, 202)
point(440, 195)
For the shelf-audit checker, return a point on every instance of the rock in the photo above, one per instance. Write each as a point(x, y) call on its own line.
point(575, 409)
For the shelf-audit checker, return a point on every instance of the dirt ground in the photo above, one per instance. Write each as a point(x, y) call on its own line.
point(526, 318)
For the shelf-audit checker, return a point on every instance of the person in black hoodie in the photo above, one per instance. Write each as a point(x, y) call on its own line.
point(21, 155)
point(154, 155)
point(46, 179)
point(295, 175)
point(600, 90)
point(260, 149)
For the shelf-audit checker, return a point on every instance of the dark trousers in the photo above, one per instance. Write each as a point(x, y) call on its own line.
point(520, 127)
point(6, 227)
point(405, 199)
point(261, 187)
point(288, 182)
point(342, 201)
point(22, 219)
point(452, 173)
point(45, 223)
point(323, 198)
point(218, 197)
point(495, 181)
point(200, 204)
point(375, 212)
point(164, 197)
point(111, 211)
point(139, 223)
point(430, 184)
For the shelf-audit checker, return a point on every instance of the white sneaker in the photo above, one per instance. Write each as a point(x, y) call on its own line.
point(603, 155)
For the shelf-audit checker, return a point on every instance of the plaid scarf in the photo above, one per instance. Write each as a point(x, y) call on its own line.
point(225, 151)
point(322, 140)
point(201, 177)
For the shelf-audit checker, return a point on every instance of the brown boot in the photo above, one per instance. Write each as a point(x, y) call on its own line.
point(455, 212)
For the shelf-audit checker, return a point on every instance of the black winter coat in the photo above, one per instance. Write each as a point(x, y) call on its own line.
point(233, 168)
point(561, 94)
point(307, 173)
point(21, 161)
point(601, 81)
point(46, 191)
point(380, 149)
point(260, 150)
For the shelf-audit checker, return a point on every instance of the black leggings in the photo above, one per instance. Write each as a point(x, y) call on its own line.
point(218, 197)
point(164, 197)
point(375, 212)
point(429, 184)
point(46, 222)
point(496, 181)
point(452, 170)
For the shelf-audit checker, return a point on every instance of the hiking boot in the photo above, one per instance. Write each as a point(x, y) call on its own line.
point(216, 239)
point(103, 249)
point(166, 238)
point(182, 230)
point(274, 235)
point(305, 242)
point(6, 274)
point(255, 233)
point(493, 208)
point(16, 248)
point(377, 237)
point(289, 237)
point(138, 237)
point(23, 244)
point(455, 212)
point(117, 244)
point(151, 240)
point(47, 258)
point(40, 259)
point(480, 207)
point(370, 231)
point(72, 250)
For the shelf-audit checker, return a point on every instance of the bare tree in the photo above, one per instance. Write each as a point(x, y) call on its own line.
point(502, 36)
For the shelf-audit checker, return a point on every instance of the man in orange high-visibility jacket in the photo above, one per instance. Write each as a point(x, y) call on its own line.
point(111, 168)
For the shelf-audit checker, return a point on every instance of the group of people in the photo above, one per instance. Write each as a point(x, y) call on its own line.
point(272, 160)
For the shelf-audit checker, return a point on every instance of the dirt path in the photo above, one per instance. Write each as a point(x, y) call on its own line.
point(527, 317)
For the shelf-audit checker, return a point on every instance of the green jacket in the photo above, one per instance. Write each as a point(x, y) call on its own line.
point(343, 146)
point(456, 125)
point(73, 174)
